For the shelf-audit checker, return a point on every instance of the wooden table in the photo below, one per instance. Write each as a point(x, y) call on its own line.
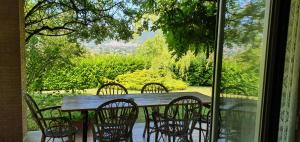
point(91, 102)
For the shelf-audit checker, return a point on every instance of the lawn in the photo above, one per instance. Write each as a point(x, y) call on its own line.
point(201, 89)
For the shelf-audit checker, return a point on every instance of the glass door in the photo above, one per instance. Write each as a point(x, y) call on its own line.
point(239, 71)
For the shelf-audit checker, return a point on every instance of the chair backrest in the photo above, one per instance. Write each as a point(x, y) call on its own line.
point(154, 88)
point(35, 112)
point(237, 92)
point(117, 117)
point(181, 112)
point(112, 89)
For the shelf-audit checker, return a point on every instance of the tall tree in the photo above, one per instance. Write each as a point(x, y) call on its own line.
point(47, 54)
point(187, 24)
point(244, 23)
point(80, 19)
point(190, 24)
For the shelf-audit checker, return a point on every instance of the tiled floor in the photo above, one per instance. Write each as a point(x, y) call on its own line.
point(35, 136)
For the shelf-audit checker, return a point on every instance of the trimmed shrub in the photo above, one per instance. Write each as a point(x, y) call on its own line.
point(196, 70)
point(242, 72)
point(91, 71)
point(137, 79)
point(200, 72)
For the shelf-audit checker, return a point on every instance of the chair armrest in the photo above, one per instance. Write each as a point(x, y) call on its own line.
point(55, 118)
point(55, 121)
point(55, 108)
point(50, 108)
point(59, 125)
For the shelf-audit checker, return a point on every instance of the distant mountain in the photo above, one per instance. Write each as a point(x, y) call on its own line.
point(234, 50)
point(112, 46)
point(121, 47)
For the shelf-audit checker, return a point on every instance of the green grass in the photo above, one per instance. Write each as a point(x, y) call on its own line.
point(204, 90)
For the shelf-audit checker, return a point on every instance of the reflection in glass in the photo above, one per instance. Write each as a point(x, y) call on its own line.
point(243, 46)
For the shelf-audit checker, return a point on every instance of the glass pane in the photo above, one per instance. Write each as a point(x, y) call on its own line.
point(243, 59)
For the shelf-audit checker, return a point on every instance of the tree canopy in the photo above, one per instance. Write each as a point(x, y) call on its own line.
point(46, 55)
point(244, 23)
point(187, 24)
point(80, 19)
point(191, 24)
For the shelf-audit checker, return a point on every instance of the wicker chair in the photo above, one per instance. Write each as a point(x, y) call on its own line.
point(154, 88)
point(55, 125)
point(114, 121)
point(235, 100)
point(177, 121)
point(204, 125)
point(238, 94)
point(151, 88)
point(112, 89)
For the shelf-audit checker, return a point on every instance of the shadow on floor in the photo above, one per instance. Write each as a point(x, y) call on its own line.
point(35, 136)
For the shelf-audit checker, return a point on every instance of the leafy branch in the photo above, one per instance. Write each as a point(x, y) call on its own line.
point(79, 19)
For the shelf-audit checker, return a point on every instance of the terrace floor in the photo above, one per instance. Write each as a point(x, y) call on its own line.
point(35, 136)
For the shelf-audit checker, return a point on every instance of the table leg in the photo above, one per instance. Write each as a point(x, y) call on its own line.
point(85, 121)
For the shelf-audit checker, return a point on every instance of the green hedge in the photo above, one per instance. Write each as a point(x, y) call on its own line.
point(136, 80)
point(91, 71)
point(198, 71)
point(241, 73)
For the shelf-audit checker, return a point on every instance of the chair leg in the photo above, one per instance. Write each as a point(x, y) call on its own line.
point(147, 121)
point(144, 133)
point(191, 139)
point(130, 138)
point(206, 138)
point(200, 134)
point(148, 136)
point(94, 138)
point(70, 139)
point(43, 139)
point(146, 129)
point(62, 139)
point(94, 134)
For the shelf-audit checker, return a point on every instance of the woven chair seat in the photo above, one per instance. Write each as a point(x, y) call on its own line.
point(110, 130)
point(168, 129)
point(58, 132)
